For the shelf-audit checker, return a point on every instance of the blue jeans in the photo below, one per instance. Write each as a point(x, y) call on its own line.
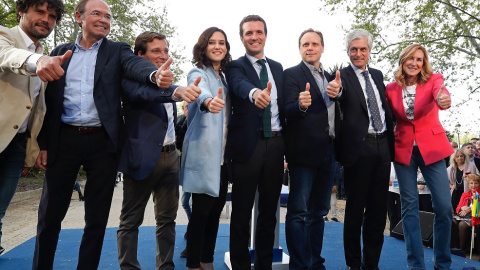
point(11, 165)
point(437, 181)
point(186, 203)
point(308, 203)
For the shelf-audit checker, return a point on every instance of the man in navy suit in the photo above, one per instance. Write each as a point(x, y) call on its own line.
point(82, 127)
point(255, 145)
point(367, 124)
point(312, 122)
point(149, 160)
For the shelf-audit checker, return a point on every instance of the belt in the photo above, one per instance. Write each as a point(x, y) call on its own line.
point(84, 130)
point(169, 148)
point(375, 136)
point(274, 134)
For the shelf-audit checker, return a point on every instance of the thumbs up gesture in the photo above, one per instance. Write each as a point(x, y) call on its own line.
point(262, 97)
point(216, 104)
point(189, 93)
point(443, 99)
point(334, 86)
point(49, 68)
point(163, 76)
point(305, 99)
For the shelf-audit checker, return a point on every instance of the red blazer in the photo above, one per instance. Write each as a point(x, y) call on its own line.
point(465, 200)
point(426, 128)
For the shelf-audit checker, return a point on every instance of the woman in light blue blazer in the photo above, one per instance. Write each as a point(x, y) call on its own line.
point(203, 169)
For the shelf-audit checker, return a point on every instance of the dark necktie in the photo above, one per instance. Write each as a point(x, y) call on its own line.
point(267, 115)
point(372, 103)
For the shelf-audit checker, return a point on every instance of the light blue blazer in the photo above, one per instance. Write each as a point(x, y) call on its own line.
point(203, 146)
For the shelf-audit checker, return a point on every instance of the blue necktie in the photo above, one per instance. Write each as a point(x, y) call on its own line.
point(372, 103)
point(267, 115)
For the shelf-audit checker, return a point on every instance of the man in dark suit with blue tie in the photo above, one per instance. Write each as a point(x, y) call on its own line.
point(82, 127)
point(255, 145)
point(367, 124)
point(313, 120)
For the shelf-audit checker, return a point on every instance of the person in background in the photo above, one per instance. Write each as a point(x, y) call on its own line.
point(462, 221)
point(22, 94)
point(424, 194)
point(394, 206)
point(185, 199)
point(204, 169)
point(459, 167)
point(454, 147)
point(469, 150)
point(415, 98)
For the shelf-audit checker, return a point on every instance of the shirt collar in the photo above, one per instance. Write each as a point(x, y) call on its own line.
point(253, 59)
point(357, 70)
point(29, 42)
point(95, 46)
point(312, 68)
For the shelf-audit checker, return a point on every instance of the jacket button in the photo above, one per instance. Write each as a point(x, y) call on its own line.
point(15, 127)
point(29, 107)
point(164, 92)
point(166, 126)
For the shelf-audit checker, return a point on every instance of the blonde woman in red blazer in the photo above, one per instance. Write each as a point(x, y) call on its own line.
point(415, 98)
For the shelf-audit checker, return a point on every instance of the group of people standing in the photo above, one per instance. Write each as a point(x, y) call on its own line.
point(244, 116)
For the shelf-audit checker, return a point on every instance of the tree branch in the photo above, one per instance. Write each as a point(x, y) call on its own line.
point(457, 8)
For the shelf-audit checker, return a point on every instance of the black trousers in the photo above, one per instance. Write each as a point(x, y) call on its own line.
point(394, 209)
point(75, 149)
point(366, 185)
point(264, 171)
point(203, 224)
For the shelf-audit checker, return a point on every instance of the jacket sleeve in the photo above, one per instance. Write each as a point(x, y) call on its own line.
point(12, 59)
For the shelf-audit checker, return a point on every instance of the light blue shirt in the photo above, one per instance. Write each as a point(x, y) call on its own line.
point(79, 106)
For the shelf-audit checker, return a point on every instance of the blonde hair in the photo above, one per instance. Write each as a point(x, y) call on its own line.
point(424, 74)
point(453, 162)
point(473, 177)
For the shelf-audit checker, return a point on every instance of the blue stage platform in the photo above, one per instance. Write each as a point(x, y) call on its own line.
point(20, 258)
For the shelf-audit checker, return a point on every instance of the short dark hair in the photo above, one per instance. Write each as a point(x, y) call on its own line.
point(310, 30)
point(252, 18)
point(24, 5)
point(199, 57)
point(144, 38)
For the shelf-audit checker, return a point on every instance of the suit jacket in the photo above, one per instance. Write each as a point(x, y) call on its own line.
point(425, 129)
point(307, 133)
point(355, 115)
point(146, 122)
point(246, 119)
point(114, 60)
point(16, 90)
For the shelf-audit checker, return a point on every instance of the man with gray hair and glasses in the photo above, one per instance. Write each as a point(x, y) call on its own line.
point(368, 122)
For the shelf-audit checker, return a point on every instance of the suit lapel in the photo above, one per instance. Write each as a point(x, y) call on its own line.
point(252, 73)
point(102, 57)
point(357, 88)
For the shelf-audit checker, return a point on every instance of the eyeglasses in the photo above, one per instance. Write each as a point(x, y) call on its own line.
point(99, 15)
point(158, 51)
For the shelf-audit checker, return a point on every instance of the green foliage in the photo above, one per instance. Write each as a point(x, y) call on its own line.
point(449, 30)
point(130, 18)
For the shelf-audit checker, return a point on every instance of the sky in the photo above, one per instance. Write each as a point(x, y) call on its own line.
point(285, 19)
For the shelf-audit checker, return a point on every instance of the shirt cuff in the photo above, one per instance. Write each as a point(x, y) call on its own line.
point(31, 63)
point(175, 98)
point(150, 78)
point(250, 96)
